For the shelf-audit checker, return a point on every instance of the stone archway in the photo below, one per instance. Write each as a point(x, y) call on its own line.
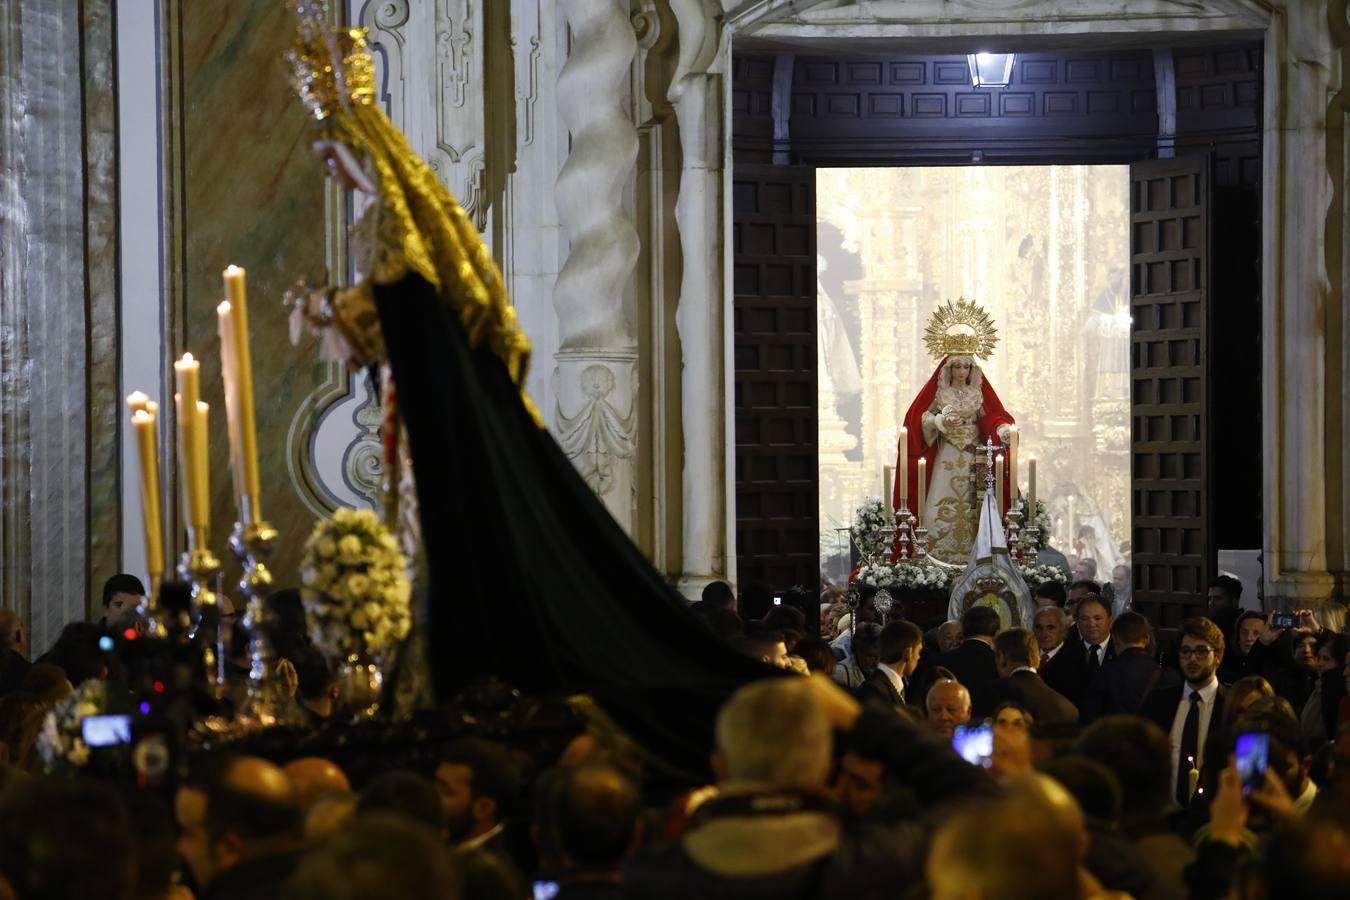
point(1303, 244)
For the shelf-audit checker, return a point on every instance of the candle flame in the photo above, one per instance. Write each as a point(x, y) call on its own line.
point(233, 271)
point(223, 309)
point(202, 406)
point(137, 400)
point(187, 360)
point(141, 417)
point(152, 407)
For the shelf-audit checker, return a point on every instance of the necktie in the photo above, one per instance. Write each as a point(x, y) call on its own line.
point(1190, 750)
point(1094, 661)
point(1045, 658)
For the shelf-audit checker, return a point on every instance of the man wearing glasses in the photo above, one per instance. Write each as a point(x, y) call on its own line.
point(1186, 712)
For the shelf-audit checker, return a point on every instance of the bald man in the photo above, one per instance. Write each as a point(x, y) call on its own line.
point(948, 706)
point(239, 826)
point(14, 663)
point(315, 778)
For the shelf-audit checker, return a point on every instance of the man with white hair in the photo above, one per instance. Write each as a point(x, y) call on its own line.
point(772, 830)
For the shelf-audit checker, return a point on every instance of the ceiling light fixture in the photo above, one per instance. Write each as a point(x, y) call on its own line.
point(990, 69)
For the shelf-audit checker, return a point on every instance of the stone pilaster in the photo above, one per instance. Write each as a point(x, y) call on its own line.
point(700, 317)
point(597, 343)
point(1298, 198)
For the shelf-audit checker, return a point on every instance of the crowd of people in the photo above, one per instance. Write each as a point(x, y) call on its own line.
point(1111, 770)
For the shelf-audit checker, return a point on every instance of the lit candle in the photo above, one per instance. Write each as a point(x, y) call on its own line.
point(187, 372)
point(147, 443)
point(923, 487)
point(998, 481)
point(887, 486)
point(1193, 777)
point(243, 375)
point(1031, 486)
point(137, 401)
point(904, 466)
point(225, 328)
point(202, 464)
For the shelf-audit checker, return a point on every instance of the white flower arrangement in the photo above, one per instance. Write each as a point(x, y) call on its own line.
point(357, 594)
point(918, 575)
point(868, 532)
point(1035, 574)
point(1042, 520)
point(60, 743)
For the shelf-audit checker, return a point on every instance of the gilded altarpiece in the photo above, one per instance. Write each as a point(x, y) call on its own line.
point(1044, 249)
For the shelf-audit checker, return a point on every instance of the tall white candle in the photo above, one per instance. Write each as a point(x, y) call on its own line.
point(904, 465)
point(1031, 486)
point(923, 488)
point(887, 489)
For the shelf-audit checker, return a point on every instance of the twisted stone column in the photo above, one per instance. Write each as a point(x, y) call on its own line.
point(595, 380)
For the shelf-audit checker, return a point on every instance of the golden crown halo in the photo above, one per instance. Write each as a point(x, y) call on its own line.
point(962, 328)
point(329, 68)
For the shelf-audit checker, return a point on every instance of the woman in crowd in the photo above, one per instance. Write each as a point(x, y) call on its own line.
point(1237, 659)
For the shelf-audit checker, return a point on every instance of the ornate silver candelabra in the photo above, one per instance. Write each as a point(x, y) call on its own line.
point(200, 568)
point(252, 545)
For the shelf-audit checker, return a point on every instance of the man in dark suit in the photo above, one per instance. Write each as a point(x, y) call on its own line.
point(1187, 712)
point(1085, 655)
point(972, 663)
point(1015, 656)
point(1129, 677)
point(1051, 627)
point(898, 651)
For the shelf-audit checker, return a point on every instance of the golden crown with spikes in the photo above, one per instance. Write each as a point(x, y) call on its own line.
point(330, 69)
point(962, 328)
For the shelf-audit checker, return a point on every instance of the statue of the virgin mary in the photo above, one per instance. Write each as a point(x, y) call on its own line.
point(955, 412)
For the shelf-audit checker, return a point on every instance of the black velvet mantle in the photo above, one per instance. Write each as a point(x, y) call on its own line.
point(531, 578)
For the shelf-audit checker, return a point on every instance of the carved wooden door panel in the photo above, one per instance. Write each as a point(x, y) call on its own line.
point(774, 278)
point(1171, 492)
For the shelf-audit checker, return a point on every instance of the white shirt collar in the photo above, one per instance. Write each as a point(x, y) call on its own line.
point(893, 677)
point(1050, 654)
point(1022, 669)
point(1304, 801)
point(1206, 693)
point(483, 838)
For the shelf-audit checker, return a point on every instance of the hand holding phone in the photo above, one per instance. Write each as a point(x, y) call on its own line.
point(1252, 755)
point(1283, 620)
point(974, 743)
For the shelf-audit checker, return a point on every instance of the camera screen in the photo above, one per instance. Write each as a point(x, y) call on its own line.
point(106, 731)
point(1283, 620)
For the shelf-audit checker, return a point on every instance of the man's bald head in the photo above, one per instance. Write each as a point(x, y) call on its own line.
point(235, 808)
point(948, 706)
point(11, 631)
point(314, 778)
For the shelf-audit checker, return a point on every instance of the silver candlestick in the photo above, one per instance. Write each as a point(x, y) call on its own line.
point(252, 545)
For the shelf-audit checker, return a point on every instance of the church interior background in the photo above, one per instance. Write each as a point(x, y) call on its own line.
point(1044, 249)
point(144, 146)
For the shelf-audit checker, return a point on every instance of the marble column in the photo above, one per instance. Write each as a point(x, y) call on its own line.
point(594, 380)
point(1297, 200)
point(56, 247)
point(696, 91)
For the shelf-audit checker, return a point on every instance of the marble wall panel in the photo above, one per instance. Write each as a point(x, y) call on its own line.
point(249, 193)
point(100, 259)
